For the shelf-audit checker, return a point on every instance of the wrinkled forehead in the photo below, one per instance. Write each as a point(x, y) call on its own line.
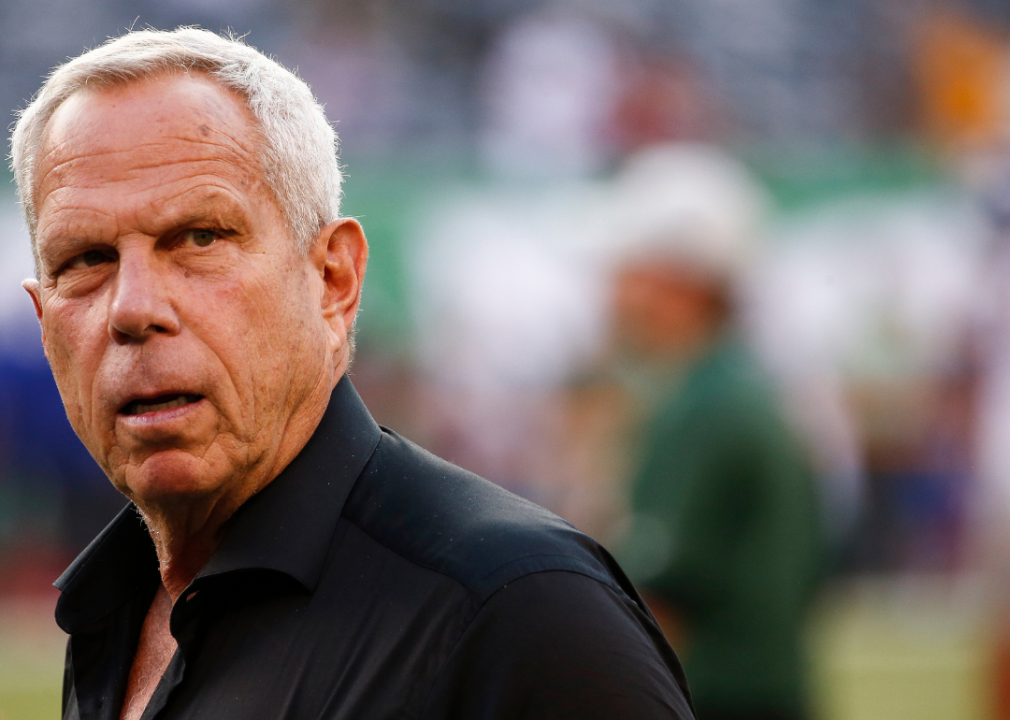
point(118, 128)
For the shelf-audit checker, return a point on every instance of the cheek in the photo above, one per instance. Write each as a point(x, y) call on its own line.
point(677, 312)
point(285, 294)
point(75, 340)
point(635, 307)
point(283, 326)
point(251, 313)
point(260, 328)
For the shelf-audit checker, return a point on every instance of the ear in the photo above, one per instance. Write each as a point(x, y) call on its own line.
point(340, 254)
point(31, 285)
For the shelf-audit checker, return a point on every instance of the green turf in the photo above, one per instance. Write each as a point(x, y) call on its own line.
point(31, 661)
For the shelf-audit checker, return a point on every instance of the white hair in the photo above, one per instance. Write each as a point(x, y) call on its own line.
point(299, 147)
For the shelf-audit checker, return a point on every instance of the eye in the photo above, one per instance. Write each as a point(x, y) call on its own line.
point(91, 258)
point(200, 237)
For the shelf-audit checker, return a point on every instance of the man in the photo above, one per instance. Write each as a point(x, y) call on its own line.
point(725, 536)
point(281, 556)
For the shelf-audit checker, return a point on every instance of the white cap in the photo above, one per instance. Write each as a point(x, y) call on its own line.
point(690, 202)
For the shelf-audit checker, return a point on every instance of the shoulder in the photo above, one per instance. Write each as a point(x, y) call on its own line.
point(728, 395)
point(558, 644)
point(552, 618)
point(451, 521)
point(729, 375)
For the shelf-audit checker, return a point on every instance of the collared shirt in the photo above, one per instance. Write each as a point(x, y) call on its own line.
point(371, 579)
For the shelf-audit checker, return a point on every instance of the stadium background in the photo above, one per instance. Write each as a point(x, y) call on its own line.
point(880, 129)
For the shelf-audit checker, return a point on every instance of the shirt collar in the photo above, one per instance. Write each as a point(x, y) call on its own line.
point(285, 528)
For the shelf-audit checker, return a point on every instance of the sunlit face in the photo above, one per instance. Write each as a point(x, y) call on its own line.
point(182, 324)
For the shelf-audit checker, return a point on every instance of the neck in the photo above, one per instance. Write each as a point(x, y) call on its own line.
point(688, 344)
point(185, 538)
point(186, 532)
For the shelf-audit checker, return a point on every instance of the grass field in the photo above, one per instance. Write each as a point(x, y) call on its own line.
point(912, 648)
point(31, 659)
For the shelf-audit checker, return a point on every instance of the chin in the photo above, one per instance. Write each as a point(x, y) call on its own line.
point(171, 477)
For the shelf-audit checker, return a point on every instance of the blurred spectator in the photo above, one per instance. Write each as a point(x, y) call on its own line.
point(725, 536)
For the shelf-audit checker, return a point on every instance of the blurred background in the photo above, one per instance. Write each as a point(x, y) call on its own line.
point(689, 273)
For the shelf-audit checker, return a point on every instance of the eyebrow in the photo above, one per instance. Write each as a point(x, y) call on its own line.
point(83, 226)
point(68, 238)
point(215, 206)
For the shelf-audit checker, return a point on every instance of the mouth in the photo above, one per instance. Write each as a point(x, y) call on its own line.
point(142, 406)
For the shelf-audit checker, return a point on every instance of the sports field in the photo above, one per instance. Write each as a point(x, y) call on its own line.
point(31, 659)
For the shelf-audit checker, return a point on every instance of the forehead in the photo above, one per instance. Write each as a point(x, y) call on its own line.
point(147, 132)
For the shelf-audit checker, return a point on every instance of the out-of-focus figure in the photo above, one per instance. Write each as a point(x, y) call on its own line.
point(725, 535)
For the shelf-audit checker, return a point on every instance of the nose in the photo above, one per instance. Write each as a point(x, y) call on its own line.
point(141, 303)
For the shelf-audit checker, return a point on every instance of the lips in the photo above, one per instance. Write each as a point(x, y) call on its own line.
point(141, 406)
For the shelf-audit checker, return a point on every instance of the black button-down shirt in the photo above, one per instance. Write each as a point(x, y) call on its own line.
point(371, 579)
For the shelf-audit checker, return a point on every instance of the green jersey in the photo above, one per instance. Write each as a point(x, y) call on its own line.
point(727, 530)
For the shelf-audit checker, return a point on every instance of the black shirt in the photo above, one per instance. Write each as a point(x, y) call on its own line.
point(371, 579)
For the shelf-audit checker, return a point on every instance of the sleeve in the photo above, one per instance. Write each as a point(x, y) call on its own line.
point(560, 645)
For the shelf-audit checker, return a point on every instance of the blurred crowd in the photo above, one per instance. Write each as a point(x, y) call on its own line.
point(724, 284)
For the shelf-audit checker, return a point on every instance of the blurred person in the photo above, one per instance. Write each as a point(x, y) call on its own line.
point(281, 554)
point(725, 535)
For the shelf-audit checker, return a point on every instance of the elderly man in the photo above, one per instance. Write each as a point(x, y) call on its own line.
point(281, 555)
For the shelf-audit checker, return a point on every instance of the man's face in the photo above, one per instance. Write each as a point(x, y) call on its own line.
point(662, 312)
point(182, 324)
